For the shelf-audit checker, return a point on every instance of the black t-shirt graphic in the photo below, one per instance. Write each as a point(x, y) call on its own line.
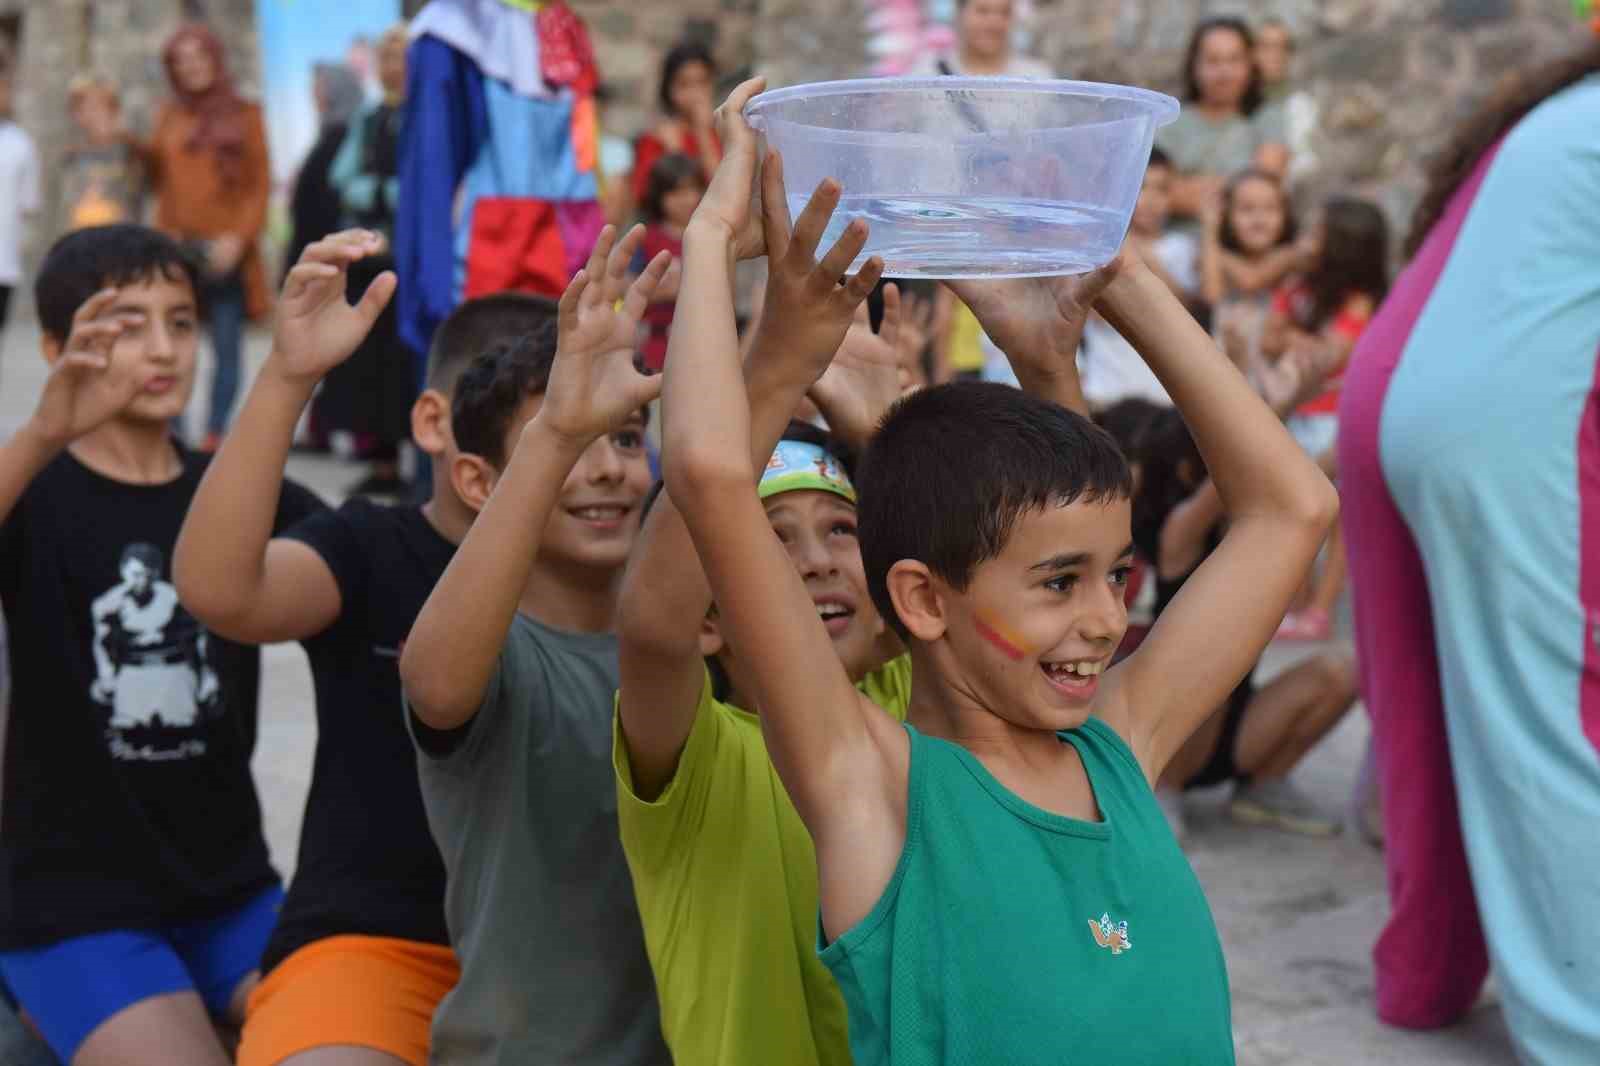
point(128, 800)
point(368, 864)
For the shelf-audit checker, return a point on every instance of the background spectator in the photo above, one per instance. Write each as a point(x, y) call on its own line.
point(19, 194)
point(208, 162)
point(102, 180)
point(688, 77)
point(370, 394)
point(1220, 130)
point(983, 45)
point(676, 186)
point(314, 209)
point(1283, 106)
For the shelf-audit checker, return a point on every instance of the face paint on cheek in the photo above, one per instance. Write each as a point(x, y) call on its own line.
point(997, 635)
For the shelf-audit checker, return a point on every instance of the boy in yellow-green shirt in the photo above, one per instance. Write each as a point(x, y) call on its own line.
point(723, 868)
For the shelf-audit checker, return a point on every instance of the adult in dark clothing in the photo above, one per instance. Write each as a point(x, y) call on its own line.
point(314, 208)
point(371, 393)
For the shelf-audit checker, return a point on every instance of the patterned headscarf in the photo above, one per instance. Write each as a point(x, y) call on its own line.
point(219, 129)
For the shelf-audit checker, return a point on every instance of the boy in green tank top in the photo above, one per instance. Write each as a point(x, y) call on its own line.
point(711, 837)
point(997, 883)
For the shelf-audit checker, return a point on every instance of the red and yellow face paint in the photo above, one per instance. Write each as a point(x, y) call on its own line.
point(995, 632)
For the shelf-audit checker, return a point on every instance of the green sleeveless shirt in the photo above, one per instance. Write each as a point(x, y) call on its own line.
point(1011, 935)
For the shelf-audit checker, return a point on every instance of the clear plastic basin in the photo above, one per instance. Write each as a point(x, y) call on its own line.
point(970, 177)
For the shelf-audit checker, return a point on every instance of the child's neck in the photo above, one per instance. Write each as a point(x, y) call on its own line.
point(139, 453)
point(577, 599)
point(951, 712)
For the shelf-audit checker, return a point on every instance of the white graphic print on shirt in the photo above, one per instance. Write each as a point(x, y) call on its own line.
point(150, 662)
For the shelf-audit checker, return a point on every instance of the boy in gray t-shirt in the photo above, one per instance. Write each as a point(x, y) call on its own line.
point(510, 674)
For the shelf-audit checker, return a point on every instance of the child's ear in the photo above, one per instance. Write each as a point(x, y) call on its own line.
point(711, 642)
point(473, 479)
point(916, 598)
point(430, 422)
point(50, 347)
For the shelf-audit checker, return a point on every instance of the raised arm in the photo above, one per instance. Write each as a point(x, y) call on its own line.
point(456, 640)
point(840, 759)
point(231, 573)
point(86, 387)
point(801, 326)
point(1279, 508)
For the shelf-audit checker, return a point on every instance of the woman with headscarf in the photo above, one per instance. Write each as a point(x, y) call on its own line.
point(314, 210)
point(370, 394)
point(208, 165)
point(1469, 466)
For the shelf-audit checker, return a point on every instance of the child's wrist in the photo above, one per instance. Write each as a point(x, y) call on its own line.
point(545, 433)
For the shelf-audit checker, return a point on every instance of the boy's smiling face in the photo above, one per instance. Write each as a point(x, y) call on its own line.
point(596, 518)
point(1037, 625)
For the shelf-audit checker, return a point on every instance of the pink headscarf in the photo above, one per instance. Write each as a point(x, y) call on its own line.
point(219, 130)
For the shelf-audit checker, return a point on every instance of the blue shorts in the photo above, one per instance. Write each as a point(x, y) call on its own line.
point(69, 988)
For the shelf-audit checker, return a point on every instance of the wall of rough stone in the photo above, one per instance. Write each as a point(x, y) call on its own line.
point(1392, 77)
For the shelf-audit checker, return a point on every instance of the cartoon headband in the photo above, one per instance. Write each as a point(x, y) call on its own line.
point(796, 465)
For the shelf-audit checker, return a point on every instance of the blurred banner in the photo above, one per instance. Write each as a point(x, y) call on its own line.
point(295, 35)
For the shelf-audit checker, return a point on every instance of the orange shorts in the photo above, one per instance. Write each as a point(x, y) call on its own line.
point(365, 991)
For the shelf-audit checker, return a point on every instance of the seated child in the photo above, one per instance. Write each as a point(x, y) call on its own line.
point(360, 957)
point(1247, 246)
point(1112, 370)
point(995, 532)
point(1257, 735)
point(137, 894)
point(510, 674)
point(1321, 314)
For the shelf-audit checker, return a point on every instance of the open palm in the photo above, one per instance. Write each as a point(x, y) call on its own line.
point(317, 328)
point(866, 376)
point(1037, 322)
point(86, 388)
point(594, 383)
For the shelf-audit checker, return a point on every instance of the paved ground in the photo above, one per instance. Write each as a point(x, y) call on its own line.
point(1297, 916)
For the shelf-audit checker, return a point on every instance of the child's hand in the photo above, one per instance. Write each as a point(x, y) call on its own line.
point(85, 389)
point(726, 204)
point(593, 383)
point(317, 328)
point(866, 376)
point(807, 307)
point(1038, 322)
point(916, 327)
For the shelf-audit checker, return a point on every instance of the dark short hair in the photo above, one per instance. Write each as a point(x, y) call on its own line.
point(147, 555)
point(954, 467)
point(667, 173)
point(492, 388)
point(1226, 235)
point(85, 261)
point(480, 324)
point(1159, 158)
point(681, 55)
point(1191, 84)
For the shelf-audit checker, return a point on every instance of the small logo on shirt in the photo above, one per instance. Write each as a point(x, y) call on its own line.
point(389, 653)
point(1111, 936)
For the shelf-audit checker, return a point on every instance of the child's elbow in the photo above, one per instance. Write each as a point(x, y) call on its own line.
point(1316, 506)
point(694, 472)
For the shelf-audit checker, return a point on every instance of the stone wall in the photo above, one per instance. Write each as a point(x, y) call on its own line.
point(1392, 77)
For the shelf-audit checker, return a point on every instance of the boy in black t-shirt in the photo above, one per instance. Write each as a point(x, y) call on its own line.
point(361, 955)
point(135, 891)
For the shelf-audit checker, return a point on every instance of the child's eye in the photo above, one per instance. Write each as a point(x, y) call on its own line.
point(1064, 583)
point(184, 325)
point(843, 529)
point(628, 439)
point(1120, 575)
